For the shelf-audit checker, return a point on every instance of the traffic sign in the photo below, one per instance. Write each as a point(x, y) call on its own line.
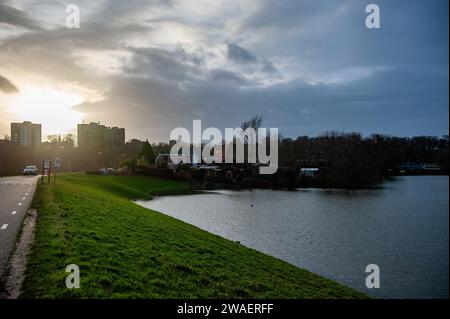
point(57, 162)
point(46, 167)
point(47, 164)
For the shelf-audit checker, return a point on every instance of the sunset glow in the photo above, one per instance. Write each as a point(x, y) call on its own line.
point(52, 108)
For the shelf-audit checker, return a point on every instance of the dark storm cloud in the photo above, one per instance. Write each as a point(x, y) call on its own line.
point(239, 55)
point(15, 17)
point(171, 65)
point(227, 76)
point(268, 66)
point(179, 66)
point(7, 86)
point(392, 80)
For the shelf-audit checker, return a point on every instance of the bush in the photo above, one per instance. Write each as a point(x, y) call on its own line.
point(198, 174)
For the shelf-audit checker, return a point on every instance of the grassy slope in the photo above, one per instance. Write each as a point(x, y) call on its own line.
point(126, 251)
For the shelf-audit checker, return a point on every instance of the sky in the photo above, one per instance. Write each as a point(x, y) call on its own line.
point(306, 66)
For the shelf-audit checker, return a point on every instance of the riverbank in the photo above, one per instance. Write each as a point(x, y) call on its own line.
point(126, 251)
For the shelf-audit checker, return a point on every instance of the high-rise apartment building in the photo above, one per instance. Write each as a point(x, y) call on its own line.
point(26, 134)
point(100, 136)
point(116, 136)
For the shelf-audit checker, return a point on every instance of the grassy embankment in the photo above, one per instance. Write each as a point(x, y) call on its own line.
point(126, 251)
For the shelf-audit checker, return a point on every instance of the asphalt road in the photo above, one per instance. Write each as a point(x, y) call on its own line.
point(16, 194)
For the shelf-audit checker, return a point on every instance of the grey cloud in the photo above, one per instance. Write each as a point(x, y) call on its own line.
point(227, 76)
point(239, 55)
point(268, 66)
point(7, 86)
point(362, 106)
point(287, 14)
point(177, 65)
point(15, 17)
point(53, 53)
point(96, 36)
point(112, 11)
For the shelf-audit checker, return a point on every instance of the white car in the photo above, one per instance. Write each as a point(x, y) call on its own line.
point(107, 171)
point(30, 170)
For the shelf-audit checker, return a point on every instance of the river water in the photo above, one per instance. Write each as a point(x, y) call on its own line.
point(402, 228)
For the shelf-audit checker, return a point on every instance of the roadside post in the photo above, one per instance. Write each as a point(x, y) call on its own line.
point(46, 169)
point(56, 165)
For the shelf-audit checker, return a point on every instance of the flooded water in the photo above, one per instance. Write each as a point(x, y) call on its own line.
point(402, 228)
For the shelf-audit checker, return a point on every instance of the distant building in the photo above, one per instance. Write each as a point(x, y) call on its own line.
point(26, 134)
point(100, 136)
point(116, 136)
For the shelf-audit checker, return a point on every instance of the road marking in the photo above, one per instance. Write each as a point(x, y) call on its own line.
point(4, 226)
point(26, 194)
point(20, 204)
point(23, 197)
point(15, 183)
point(13, 213)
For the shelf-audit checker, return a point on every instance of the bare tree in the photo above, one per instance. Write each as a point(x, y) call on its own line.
point(254, 123)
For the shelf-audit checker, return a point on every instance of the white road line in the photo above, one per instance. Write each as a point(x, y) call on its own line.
point(13, 213)
point(4, 226)
point(20, 204)
point(26, 194)
point(23, 197)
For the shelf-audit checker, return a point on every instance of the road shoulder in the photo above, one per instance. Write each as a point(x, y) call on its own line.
point(14, 276)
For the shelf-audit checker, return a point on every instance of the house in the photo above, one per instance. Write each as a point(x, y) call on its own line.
point(165, 160)
point(210, 170)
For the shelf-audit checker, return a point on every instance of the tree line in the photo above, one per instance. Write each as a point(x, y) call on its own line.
point(345, 160)
point(352, 161)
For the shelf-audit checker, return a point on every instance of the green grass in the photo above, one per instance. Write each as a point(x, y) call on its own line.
point(126, 251)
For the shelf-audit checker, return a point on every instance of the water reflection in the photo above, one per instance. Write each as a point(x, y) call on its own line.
point(403, 228)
